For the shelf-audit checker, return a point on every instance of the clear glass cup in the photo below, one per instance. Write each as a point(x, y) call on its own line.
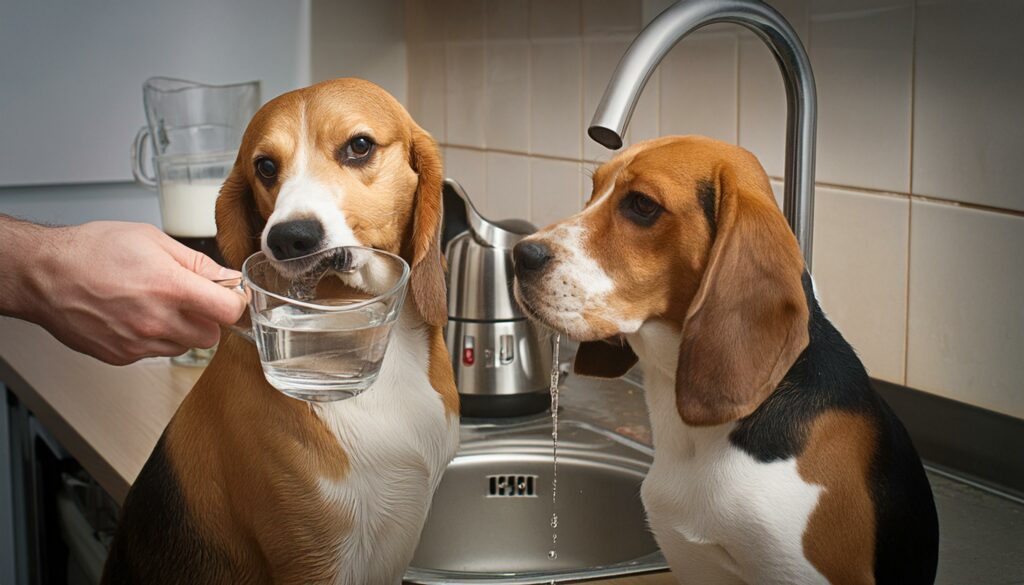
point(322, 322)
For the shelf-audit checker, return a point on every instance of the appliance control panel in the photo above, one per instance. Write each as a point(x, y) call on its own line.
point(503, 355)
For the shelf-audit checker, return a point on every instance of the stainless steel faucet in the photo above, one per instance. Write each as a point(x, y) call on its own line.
point(651, 45)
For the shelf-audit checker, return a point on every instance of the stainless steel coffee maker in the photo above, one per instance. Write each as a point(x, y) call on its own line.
point(502, 360)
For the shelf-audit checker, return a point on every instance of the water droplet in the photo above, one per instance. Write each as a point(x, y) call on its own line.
point(554, 520)
point(552, 555)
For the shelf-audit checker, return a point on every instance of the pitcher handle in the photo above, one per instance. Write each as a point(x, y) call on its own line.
point(138, 150)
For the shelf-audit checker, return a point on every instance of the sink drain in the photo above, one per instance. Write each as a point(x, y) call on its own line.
point(511, 486)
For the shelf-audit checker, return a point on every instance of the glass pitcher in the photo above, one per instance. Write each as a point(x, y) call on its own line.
point(187, 117)
point(192, 136)
point(193, 131)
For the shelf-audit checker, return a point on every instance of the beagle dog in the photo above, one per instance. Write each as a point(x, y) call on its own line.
point(247, 485)
point(775, 461)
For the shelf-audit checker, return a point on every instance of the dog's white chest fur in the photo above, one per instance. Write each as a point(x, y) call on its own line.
point(718, 514)
point(399, 440)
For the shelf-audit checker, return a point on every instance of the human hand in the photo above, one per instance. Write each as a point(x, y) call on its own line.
point(122, 291)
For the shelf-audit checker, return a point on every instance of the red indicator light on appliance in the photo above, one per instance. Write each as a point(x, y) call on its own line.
point(467, 356)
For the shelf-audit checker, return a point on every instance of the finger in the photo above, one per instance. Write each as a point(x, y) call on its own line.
point(210, 301)
point(198, 332)
point(160, 348)
point(191, 331)
point(200, 263)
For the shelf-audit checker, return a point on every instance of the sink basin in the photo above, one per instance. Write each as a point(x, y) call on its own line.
point(491, 517)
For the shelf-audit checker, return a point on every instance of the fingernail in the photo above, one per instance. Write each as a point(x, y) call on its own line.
point(226, 273)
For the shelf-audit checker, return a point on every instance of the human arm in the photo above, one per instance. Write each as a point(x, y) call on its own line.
point(118, 291)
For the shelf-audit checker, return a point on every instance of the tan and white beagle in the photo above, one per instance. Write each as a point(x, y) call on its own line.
point(775, 461)
point(247, 485)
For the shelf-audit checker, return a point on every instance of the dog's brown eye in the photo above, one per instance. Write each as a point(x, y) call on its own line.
point(644, 205)
point(358, 148)
point(266, 167)
point(640, 209)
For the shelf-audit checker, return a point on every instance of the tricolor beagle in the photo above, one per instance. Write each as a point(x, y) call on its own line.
point(775, 461)
point(247, 485)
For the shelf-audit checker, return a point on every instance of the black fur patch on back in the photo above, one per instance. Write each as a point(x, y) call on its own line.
point(828, 375)
point(156, 540)
point(706, 197)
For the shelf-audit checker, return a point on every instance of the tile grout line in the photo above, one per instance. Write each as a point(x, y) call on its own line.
point(444, 65)
point(910, 188)
point(739, 63)
point(966, 205)
point(483, 108)
point(582, 80)
point(913, 197)
point(516, 153)
point(529, 112)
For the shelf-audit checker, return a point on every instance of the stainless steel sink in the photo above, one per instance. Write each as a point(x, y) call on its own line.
point(491, 517)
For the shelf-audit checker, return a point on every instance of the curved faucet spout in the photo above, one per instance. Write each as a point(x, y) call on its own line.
point(648, 49)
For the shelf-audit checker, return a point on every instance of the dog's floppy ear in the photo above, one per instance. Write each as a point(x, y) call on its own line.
point(607, 358)
point(747, 323)
point(427, 278)
point(238, 221)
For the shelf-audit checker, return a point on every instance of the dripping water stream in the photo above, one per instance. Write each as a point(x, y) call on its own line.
point(553, 553)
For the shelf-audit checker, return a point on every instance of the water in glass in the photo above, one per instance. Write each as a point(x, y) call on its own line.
point(322, 356)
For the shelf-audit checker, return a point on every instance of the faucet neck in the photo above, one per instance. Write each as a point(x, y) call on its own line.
point(652, 44)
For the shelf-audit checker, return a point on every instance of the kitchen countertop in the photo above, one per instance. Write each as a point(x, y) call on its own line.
point(109, 418)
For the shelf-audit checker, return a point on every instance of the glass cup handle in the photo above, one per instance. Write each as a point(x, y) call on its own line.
point(138, 155)
point(243, 326)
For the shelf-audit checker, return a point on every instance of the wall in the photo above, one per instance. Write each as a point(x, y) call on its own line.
point(73, 71)
point(919, 219)
point(84, 65)
point(360, 39)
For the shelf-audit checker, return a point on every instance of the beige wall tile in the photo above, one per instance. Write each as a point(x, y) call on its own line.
point(464, 19)
point(427, 87)
point(762, 95)
point(611, 17)
point(556, 125)
point(507, 109)
point(554, 190)
point(556, 78)
point(370, 45)
point(426, 55)
point(966, 326)
point(698, 87)
point(469, 168)
point(862, 58)
point(644, 125)
point(508, 19)
point(508, 186)
point(777, 189)
point(860, 271)
point(464, 90)
point(969, 87)
point(423, 19)
point(555, 20)
point(652, 8)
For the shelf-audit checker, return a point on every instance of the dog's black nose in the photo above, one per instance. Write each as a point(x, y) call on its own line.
point(529, 256)
point(291, 239)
